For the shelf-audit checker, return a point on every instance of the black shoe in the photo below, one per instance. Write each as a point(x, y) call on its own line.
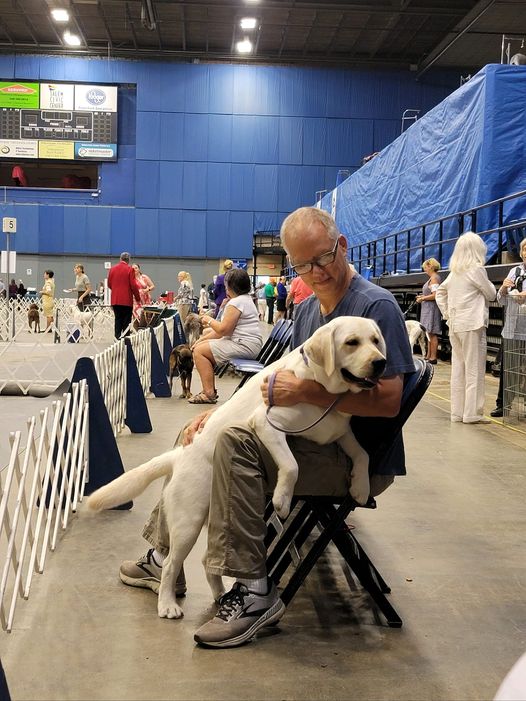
point(497, 412)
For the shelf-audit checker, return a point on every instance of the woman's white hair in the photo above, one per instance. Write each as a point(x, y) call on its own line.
point(302, 218)
point(469, 252)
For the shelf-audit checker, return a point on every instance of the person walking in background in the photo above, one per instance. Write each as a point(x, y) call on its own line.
point(124, 289)
point(219, 287)
point(430, 316)
point(281, 298)
point(185, 293)
point(203, 303)
point(511, 296)
point(145, 286)
point(463, 298)
point(262, 302)
point(299, 290)
point(48, 298)
point(270, 296)
point(82, 287)
point(13, 289)
point(21, 289)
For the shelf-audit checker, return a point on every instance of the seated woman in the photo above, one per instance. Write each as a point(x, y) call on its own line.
point(237, 335)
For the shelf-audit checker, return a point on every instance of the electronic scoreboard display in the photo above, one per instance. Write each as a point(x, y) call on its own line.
point(58, 121)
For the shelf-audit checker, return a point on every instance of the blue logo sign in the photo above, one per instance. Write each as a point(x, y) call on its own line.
point(96, 97)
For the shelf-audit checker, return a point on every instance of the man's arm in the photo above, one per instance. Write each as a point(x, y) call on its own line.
point(384, 400)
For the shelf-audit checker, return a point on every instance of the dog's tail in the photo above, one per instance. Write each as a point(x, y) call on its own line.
point(132, 483)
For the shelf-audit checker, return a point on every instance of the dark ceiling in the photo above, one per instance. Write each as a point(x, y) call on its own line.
point(464, 34)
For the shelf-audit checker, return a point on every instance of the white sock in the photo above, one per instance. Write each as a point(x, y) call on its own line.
point(158, 558)
point(256, 586)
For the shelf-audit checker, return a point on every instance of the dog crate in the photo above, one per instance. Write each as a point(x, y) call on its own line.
point(514, 381)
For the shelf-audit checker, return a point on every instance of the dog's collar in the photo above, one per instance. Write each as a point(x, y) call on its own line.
point(304, 355)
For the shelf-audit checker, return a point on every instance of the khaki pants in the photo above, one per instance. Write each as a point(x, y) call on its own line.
point(244, 475)
point(468, 370)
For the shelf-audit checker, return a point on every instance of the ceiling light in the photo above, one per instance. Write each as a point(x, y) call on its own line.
point(252, 2)
point(248, 23)
point(71, 39)
point(60, 15)
point(244, 47)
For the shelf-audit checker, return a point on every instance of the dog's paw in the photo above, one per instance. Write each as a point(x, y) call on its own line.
point(281, 503)
point(169, 610)
point(360, 488)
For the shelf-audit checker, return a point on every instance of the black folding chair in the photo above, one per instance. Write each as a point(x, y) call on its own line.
point(289, 543)
point(274, 347)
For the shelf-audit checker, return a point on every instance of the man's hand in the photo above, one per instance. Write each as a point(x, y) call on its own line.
point(196, 426)
point(288, 389)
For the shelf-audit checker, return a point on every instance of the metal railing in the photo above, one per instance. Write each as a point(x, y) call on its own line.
point(393, 252)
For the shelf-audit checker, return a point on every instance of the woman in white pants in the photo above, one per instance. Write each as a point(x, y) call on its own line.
point(463, 299)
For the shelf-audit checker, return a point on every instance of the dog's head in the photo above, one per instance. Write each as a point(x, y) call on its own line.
point(33, 307)
point(193, 327)
point(182, 359)
point(350, 352)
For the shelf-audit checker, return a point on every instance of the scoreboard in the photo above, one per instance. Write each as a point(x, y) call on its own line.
point(59, 121)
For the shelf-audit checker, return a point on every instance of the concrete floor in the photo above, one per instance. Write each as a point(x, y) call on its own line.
point(448, 538)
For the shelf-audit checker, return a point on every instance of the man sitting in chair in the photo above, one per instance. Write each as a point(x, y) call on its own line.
point(243, 470)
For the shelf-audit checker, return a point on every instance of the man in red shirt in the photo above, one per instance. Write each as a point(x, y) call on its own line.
point(298, 291)
point(123, 286)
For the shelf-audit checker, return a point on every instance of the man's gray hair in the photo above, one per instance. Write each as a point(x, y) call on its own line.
point(125, 256)
point(303, 217)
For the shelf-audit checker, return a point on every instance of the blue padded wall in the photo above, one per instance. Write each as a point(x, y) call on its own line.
point(210, 153)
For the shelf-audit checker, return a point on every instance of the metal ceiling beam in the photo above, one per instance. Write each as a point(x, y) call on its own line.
point(335, 34)
point(100, 8)
point(264, 59)
point(341, 7)
point(27, 22)
point(132, 25)
point(461, 28)
point(183, 26)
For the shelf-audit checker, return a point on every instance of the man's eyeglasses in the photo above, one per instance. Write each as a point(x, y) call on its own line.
point(321, 262)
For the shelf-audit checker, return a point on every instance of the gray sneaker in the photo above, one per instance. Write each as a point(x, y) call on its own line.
point(146, 573)
point(241, 614)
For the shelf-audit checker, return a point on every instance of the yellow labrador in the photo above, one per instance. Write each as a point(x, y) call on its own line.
point(346, 354)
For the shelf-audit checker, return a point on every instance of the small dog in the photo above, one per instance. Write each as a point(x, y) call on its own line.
point(181, 363)
point(33, 317)
point(417, 334)
point(348, 353)
point(193, 328)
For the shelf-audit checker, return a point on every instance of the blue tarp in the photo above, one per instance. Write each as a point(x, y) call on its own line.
point(468, 150)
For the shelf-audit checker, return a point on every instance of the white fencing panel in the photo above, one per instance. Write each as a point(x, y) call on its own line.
point(40, 488)
point(110, 366)
point(141, 346)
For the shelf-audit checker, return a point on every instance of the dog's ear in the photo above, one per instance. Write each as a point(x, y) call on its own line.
point(320, 347)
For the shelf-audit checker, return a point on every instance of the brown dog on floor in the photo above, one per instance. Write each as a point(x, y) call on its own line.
point(181, 363)
point(33, 317)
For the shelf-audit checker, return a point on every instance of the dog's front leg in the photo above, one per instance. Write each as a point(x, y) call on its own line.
point(360, 487)
point(276, 444)
point(167, 607)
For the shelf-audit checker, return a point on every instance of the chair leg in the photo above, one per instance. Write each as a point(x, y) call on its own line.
point(319, 545)
point(363, 568)
point(360, 553)
point(295, 535)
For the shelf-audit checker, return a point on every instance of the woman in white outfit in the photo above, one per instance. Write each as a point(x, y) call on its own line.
point(463, 299)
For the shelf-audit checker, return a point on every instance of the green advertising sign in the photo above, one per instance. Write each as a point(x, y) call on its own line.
point(26, 95)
